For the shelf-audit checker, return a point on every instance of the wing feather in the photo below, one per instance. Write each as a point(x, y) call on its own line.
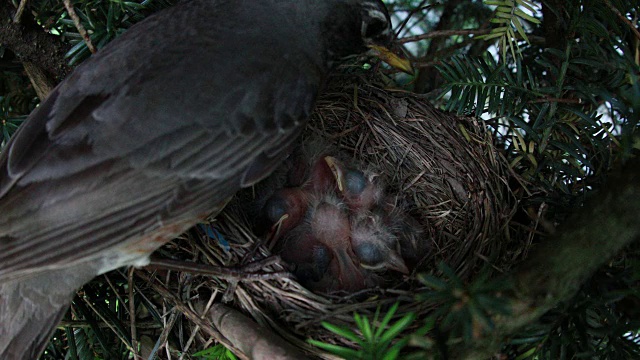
point(130, 144)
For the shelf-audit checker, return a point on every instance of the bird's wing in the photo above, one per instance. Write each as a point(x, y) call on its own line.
point(122, 152)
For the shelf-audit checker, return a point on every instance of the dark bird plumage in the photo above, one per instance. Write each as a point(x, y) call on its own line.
point(153, 134)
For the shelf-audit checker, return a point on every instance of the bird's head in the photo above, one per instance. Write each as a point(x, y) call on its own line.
point(374, 244)
point(354, 27)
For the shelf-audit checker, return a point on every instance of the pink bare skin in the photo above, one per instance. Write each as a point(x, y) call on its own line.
point(330, 225)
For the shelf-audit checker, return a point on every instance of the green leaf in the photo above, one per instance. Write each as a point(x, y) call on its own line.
point(387, 318)
point(336, 349)
point(522, 15)
point(432, 281)
point(398, 327)
point(345, 333)
point(364, 326)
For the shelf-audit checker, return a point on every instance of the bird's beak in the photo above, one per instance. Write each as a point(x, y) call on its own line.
point(349, 276)
point(275, 229)
point(397, 61)
point(336, 168)
point(395, 262)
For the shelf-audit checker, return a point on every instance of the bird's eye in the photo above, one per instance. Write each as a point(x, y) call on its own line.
point(275, 208)
point(369, 254)
point(375, 22)
point(374, 28)
point(321, 258)
point(355, 181)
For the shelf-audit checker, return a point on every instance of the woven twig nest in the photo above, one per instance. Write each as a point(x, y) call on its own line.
point(444, 166)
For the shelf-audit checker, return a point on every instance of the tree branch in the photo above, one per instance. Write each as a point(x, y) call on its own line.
point(32, 44)
point(623, 18)
point(252, 339)
point(556, 270)
point(446, 33)
point(76, 21)
point(427, 79)
point(180, 306)
point(41, 83)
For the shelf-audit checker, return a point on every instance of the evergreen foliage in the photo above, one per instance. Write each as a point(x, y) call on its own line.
point(557, 82)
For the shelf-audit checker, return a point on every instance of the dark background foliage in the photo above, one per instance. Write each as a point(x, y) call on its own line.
point(555, 80)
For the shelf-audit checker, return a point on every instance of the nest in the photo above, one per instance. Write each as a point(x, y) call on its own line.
point(444, 166)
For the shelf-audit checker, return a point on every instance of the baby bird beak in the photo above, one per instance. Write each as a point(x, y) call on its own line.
point(358, 189)
point(284, 210)
point(337, 169)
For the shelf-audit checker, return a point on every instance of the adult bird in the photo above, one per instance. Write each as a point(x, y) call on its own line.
point(153, 134)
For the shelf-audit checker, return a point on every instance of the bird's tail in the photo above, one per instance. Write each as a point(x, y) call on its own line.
point(30, 310)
